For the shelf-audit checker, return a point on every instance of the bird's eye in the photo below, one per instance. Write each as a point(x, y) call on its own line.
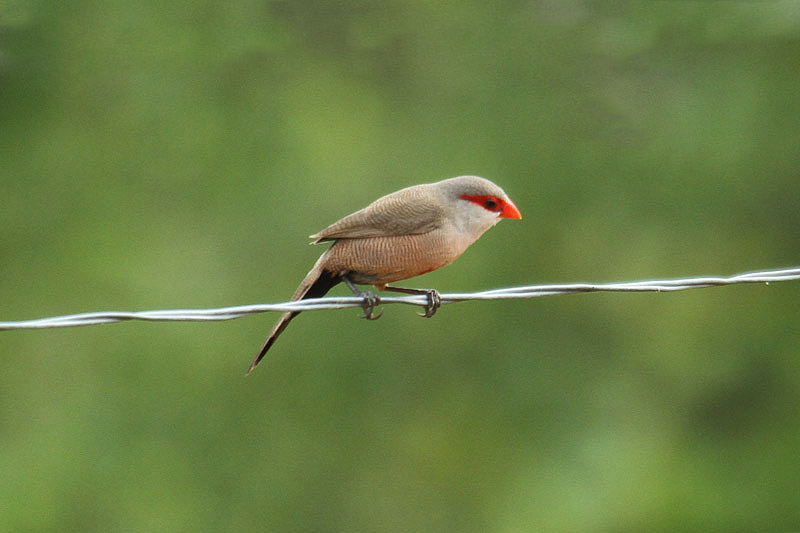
point(490, 204)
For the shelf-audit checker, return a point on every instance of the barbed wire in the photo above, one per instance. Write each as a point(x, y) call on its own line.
point(530, 291)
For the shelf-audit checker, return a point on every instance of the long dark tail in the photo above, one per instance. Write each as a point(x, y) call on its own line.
point(316, 284)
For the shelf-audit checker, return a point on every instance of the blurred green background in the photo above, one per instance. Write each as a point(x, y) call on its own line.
point(161, 155)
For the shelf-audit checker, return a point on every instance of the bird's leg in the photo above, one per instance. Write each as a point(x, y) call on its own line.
point(434, 298)
point(370, 300)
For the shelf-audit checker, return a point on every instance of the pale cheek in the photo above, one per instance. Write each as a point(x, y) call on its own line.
point(488, 219)
point(475, 221)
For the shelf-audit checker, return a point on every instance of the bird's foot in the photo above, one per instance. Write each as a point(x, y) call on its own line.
point(370, 301)
point(434, 302)
point(434, 298)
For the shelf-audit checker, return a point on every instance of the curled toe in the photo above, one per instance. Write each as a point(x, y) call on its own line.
point(370, 301)
point(434, 302)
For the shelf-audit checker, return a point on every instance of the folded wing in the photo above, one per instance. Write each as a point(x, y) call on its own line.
point(406, 212)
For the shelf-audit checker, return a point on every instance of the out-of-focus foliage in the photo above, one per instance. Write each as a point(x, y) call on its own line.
point(166, 155)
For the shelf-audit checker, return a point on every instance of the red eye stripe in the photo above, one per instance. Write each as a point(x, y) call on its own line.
point(491, 203)
point(506, 208)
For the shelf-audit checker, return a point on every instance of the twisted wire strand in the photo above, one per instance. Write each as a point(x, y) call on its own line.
point(312, 304)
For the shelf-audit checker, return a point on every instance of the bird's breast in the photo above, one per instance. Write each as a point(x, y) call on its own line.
point(380, 260)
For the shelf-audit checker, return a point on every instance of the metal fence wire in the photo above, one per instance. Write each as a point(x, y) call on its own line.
point(530, 291)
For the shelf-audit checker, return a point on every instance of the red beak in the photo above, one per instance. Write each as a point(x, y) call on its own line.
point(510, 210)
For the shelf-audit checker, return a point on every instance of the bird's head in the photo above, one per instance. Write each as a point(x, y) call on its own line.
point(475, 204)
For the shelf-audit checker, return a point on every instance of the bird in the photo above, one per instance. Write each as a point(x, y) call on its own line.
point(404, 234)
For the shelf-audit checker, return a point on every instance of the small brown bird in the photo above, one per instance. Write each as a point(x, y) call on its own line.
point(401, 235)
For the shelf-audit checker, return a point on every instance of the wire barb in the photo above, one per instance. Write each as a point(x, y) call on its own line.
point(530, 291)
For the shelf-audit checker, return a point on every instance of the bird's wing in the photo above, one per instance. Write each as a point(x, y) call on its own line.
point(410, 211)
